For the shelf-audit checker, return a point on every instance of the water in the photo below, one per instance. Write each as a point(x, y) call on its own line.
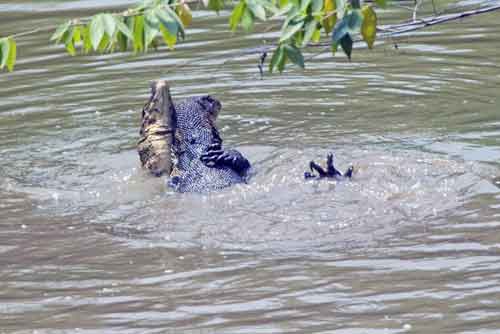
point(90, 244)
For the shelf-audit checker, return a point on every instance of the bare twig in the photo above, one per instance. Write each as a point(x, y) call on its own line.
point(434, 7)
point(401, 28)
point(402, 6)
point(389, 31)
point(417, 5)
point(31, 32)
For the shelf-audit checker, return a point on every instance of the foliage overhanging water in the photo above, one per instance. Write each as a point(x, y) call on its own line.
point(411, 245)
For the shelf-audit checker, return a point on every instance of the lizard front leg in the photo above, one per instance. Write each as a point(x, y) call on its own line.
point(215, 156)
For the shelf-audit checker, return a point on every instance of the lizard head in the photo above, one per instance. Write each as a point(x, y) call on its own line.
point(198, 111)
point(208, 106)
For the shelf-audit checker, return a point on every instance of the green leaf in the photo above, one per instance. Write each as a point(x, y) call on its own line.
point(11, 58)
point(339, 31)
point(298, 38)
point(277, 58)
point(87, 43)
point(177, 19)
point(109, 23)
point(304, 4)
point(270, 6)
point(77, 34)
point(340, 5)
point(167, 22)
point(184, 13)
point(283, 10)
point(123, 28)
point(257, 9)
point(317, 5)
point(150, 17)
point(293, 16)
point(247, 19)
point(68, 36)
point(96, 31)
point(309, 31)
point(346, 44)
point(130, 23)
point(236, 15)
point(105, 44)
point(154, 44)
point(216, 5)
point(356, 4)
point(381, 3)
point(4, 47)
point(70, 47)
point(282, 63)
point(334, 48)
point(354, 21)
point(139, 33)
point(369, 26)
point(61, 29)
point(68, 42)
point(290, 30)
point(316, 36)
point(121, 41)
point(151, 28)
point(169, 38)
point(350, 23)
point(331, 20)
point(293, 53)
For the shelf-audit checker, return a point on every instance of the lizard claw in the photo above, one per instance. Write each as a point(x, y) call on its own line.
point(318, 172)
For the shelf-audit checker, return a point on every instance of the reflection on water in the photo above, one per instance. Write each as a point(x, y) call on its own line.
point(88, 241)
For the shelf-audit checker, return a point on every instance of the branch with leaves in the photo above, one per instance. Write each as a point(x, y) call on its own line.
point(144, 27)
point(339, 19)
point(135, 28)
point(152, 22)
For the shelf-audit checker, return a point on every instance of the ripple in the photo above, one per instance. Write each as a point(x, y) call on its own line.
point(91, 244)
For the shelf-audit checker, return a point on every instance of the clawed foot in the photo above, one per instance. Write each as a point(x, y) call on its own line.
point(215, 156)
point(330, 172)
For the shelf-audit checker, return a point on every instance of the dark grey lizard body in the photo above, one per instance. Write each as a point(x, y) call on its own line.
point(200, 163)
point(181, 140)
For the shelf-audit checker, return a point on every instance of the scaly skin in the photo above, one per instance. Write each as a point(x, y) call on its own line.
point(201, 164)
point(182, 141)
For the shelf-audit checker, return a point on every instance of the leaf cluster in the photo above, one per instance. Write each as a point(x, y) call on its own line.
point(153, 21)
point(135, 29)
point(305, 21)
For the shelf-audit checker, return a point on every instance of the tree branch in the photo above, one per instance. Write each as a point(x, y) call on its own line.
point(388, 31)
point(396, 29)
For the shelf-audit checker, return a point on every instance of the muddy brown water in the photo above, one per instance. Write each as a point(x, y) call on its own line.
point(90, 244)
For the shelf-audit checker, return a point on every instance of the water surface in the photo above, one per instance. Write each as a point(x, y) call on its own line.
point(89, 242)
